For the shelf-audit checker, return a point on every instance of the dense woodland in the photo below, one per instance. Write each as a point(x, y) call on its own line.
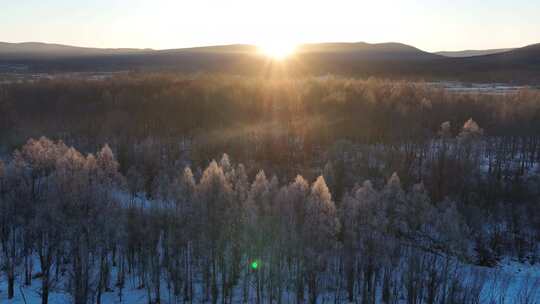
point(340, 190)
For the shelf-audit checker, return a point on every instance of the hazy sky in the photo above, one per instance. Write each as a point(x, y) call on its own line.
point(430, 25)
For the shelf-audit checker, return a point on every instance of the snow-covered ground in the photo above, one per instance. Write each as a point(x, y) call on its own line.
point(30, 294)
point(480, 88)
point(510, 282)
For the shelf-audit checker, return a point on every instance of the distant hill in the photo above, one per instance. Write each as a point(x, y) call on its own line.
point(471, 53)
point(238, 58)
point(33, 50)
point(231, 48)
point(362, 50)
point(528, 54)
point(389, 60)
point(526, 59)
point(521, 65)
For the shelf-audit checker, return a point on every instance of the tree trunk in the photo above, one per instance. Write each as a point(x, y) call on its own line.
point(349, 270)
point(299, 289)
point(312, 286)
point(11, 285)
point(45, 289)
point(28, 266)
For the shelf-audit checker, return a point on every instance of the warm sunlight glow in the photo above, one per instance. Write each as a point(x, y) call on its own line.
point(276, 50)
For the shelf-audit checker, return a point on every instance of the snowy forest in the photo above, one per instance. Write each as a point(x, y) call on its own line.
point(221, 189)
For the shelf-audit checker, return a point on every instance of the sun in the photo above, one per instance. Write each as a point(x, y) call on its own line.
point(277, 50)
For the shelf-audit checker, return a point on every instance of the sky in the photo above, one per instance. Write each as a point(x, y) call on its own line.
point(433, 25)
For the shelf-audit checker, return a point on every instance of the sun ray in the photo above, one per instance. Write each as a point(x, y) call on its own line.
point(277, 50)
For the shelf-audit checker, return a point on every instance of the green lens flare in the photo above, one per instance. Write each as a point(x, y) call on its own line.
point(254, 265)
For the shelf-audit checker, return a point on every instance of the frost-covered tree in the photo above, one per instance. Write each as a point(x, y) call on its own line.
point(445, 130)
point(470, 130)
point(107, 169)
point(72, 180)
point(11, 231)
point(226, 166)
point(359, 217)
point(31, 180)
point(450, 232)
point(349, 218)
point(330, 176)
point(214, 195)
point(84, 190)
point(394, 203)
point(184, 192)
point(295, 205)
point(257, 197)
point(241, 185)
point(319, 233)
point(259, 234)
point(372, 231)
point(181, 230)
point(418, 210)
point(291, 201)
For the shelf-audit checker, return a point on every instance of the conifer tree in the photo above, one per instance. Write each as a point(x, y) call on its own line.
point(319, 233)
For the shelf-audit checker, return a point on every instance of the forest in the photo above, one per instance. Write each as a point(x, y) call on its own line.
point(242, 189)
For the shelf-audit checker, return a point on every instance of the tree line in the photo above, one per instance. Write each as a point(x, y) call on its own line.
point(225, 109)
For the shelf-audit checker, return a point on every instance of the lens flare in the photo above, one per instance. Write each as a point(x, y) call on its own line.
point(254, 265)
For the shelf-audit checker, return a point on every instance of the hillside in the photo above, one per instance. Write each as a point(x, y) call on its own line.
point(39, 50)
point(519, 65)
point(391, 60)
point(366, 51)
point(472, 53)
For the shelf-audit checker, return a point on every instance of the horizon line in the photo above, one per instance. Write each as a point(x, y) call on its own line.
point(255, 45)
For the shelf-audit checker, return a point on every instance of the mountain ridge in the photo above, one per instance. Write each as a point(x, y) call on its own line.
point(355, 59)
point(473, 53)
point(32, 48)
point(36, 47)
